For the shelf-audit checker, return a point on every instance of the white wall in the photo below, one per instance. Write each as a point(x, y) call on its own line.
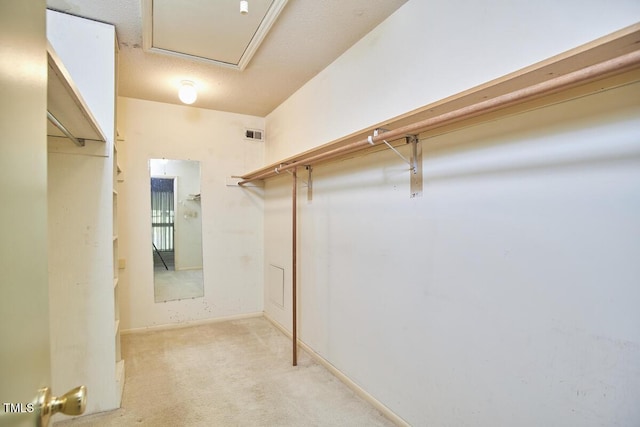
point(508, 293)
point(81, 277)
point(80, 212)
point(232, 218)
point(428, 50)
point(89, 59)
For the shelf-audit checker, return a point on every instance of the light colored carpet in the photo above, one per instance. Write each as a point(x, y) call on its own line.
point(235, 373)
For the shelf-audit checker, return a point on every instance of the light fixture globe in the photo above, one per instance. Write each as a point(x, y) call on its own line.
point(187, 92)
point(244, 7)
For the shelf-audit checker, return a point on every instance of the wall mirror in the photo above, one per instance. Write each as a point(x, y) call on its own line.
point(176, 229)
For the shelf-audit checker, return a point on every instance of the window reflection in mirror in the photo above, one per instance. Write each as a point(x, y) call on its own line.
point(176, 229)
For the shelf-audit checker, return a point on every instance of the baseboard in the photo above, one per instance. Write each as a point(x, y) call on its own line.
point(190, 323)
point(388, 413)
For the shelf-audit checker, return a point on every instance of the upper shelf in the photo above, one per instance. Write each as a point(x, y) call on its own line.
point(604, 63)
point(66, 105)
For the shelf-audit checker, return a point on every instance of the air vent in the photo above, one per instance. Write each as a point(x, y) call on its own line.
point(254, 134)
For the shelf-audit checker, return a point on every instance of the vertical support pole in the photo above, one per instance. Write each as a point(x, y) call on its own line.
point(294, 267)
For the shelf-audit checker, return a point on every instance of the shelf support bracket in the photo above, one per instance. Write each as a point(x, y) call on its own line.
point(78, 141)
point(407, 161)
point(416, 166)
point(309, 184)
point(377, 132)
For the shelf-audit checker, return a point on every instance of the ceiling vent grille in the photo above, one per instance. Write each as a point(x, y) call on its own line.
point(254, 134)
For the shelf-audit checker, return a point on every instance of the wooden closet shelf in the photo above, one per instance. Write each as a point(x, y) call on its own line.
point(607, 62)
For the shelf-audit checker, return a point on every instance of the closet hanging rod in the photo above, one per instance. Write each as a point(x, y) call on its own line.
point(567, 81)
point(78, 141)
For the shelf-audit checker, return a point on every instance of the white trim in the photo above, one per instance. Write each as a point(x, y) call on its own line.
point(388, 413)
point(190, 323)
point(261, 32)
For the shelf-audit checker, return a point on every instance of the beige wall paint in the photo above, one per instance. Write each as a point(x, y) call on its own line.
point(506, 294)
point(427, 51)
point(232, 217)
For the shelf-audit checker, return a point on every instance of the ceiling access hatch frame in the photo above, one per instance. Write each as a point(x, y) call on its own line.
point(254, 33)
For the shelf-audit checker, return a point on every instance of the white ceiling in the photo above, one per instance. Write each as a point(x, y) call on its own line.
point(206, 30)
point(306, 37)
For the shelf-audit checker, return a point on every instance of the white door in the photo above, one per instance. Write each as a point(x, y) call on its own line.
point(24, 299)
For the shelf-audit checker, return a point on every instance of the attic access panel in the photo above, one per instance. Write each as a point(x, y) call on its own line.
point(210, 31)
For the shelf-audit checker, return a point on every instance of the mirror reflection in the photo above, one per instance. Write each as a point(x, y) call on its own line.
point(176, 229)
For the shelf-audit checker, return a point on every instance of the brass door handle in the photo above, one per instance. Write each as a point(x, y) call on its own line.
point(72, 402)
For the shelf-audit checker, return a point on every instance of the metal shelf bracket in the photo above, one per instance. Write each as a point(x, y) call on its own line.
point(78, 141)
point(309, 183)
point(416, 166)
